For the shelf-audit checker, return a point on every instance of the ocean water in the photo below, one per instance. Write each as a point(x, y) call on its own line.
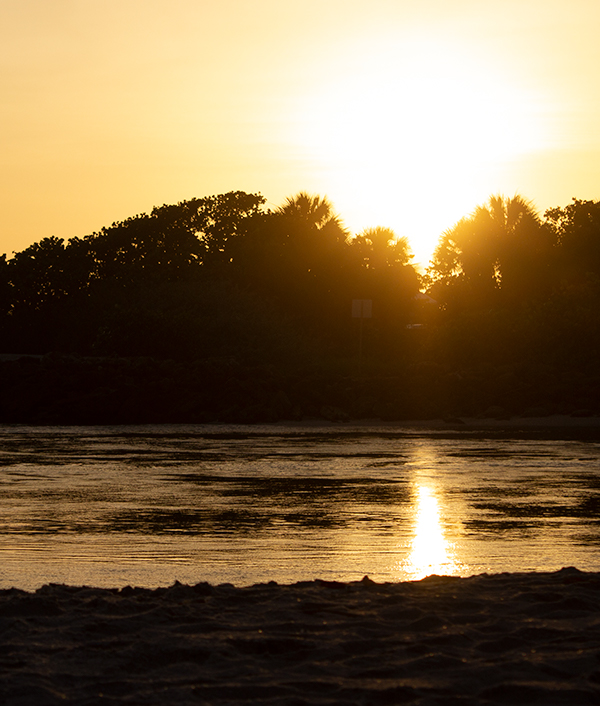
point(146, 506)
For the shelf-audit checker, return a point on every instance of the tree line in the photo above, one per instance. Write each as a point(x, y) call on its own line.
point(529, 285)
point(258, 302)
point(220, 275)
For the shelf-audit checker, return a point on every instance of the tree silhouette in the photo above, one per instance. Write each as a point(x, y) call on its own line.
point(379, 247)
point(316, 211)
point(295, 257)
point(47, 272)
point(172, 240)
point(502, 245)
point(576, 232)
point(222, 284)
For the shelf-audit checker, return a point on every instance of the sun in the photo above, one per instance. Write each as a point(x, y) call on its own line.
point(410, 134)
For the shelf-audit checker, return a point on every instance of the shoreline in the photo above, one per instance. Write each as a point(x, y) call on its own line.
point(555, 427)
point(466, 423)
point(61, 389)
point(486, 639)
point(554, 421)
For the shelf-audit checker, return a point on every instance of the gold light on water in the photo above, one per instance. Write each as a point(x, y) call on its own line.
point(430, 552)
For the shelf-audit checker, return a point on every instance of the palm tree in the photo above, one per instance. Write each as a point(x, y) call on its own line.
point(494, 247)
point(379, 246)
point(316, 210)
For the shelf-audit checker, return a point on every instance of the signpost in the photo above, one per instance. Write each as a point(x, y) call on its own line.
point(361, 309)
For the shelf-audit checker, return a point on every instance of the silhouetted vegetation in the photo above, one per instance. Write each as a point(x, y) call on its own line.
point(219, 309)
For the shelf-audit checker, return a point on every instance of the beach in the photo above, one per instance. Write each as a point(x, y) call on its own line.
point(488, 639)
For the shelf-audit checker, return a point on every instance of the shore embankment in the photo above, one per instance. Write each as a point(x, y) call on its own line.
point(499, 639)
point(64, 389)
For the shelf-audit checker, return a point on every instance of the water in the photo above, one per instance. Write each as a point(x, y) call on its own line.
point(115, 506)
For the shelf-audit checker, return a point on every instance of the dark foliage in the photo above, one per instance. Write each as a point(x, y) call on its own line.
point(217, 309)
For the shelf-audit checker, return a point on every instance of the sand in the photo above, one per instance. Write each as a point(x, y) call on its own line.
point(504, 639)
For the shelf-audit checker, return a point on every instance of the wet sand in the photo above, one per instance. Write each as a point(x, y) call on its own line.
point(504, 639)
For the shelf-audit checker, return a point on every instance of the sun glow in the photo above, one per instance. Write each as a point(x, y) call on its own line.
point(412, 136)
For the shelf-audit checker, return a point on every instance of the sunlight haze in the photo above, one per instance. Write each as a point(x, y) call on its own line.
point(405, 115)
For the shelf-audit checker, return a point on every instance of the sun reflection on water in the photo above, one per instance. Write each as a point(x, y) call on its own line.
point(430, 552)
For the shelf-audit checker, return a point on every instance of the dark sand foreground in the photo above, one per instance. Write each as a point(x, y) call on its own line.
point(503, 639)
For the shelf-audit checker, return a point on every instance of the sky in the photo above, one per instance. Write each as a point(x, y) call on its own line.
point(403, 113)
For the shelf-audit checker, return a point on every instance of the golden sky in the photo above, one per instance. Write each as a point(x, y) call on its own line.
point(405, 114)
